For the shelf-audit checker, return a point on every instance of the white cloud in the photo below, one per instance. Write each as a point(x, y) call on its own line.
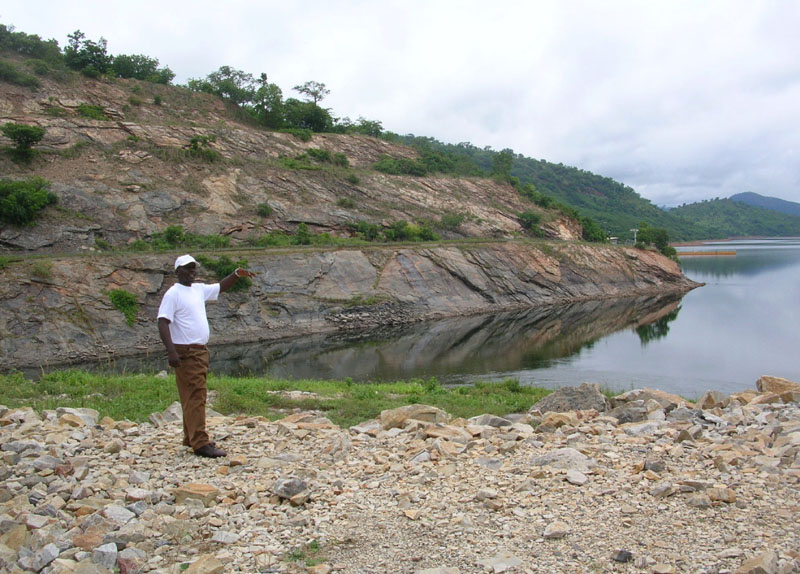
point(681, 100)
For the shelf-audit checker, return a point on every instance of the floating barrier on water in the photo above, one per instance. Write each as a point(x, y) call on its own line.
point(693, 253)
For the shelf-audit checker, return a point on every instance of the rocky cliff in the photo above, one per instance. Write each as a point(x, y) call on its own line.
point(128, 159)
point(130, 170)
point(58, 310)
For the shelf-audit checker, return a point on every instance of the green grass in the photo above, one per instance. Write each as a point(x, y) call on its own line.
point(135, 397)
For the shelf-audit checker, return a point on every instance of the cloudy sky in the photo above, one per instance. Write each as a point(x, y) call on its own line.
point(681, 100)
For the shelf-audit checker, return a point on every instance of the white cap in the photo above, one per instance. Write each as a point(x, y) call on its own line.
point(184, 260)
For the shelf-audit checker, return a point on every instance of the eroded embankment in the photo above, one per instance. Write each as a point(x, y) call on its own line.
point(58, 310)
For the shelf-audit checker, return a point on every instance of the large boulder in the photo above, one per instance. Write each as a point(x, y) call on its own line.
point(586, 397)
point(397, 418)
point(777, 385)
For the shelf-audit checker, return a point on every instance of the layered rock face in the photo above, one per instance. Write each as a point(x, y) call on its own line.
point(132, 174)
point(59, 310)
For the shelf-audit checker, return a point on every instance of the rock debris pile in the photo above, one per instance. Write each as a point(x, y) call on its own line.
point(641, 483)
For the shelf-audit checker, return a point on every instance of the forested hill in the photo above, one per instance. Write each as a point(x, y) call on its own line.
point(724, 218)
point(616, 207)
point(773, 203)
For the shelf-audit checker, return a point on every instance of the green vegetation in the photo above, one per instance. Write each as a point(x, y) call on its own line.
point(42, 270)
point(92, 112)
point(21, 201)
point(223, 267)
point(24, 138)
point(200, 148)
point(400, 166)
point(656, 236)
point(264, 209)
point(9, 73)
point(723, 218)
point(126, 303)
point(135, 397)
point(174, 236)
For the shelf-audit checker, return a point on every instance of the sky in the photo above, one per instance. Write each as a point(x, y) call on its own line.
point(682, 100)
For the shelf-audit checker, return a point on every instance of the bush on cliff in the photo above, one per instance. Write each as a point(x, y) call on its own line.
point(21, 201)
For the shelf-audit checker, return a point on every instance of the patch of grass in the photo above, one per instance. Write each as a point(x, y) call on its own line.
point(126, 303)
point(73, 151)
point(135, 397)
point(55, 111)
point(9, 73)
point(42, 270)
point(301, 134)
point(5, 261)
point(92, 112)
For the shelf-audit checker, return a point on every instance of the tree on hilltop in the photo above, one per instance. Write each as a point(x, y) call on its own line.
point(314, 90)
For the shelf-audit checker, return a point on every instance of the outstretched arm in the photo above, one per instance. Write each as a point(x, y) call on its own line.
point(166, 338)
point(231, 279)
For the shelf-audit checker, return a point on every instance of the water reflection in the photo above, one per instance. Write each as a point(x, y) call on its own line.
point(452, 350)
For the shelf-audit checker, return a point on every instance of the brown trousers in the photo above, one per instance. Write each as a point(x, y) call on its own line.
point(191, 378)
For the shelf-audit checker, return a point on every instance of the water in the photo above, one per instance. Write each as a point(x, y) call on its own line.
point(744, 323)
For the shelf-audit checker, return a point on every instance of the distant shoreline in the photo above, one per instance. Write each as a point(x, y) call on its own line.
point(707, 241)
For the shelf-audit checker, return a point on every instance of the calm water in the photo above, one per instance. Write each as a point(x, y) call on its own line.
point(745, 322)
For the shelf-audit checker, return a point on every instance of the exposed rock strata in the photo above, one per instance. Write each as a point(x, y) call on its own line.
point(685, 490)
point(64, 313)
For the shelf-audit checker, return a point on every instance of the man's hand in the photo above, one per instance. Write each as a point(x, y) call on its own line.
point(174, 359)
point(243, 272)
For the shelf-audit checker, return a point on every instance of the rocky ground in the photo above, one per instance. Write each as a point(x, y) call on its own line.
point(646, 483)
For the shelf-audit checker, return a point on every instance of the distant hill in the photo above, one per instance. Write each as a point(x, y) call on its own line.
point(773, 203)
point(723, 218)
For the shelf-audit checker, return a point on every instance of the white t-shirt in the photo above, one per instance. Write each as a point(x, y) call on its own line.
point(185, 308)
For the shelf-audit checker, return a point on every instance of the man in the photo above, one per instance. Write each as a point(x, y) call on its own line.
point(183, 327)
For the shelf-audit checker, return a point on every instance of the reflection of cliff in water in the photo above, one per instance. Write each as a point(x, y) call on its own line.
point(450, 349)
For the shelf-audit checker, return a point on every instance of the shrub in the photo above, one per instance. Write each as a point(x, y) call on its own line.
point(529, 219)
point(39, 67)
point(367, 231)
point(223, 267)
point(9, 73)
point(303, 235)
point(299, 162)
point(452, 221)
point(346, 202)
point(126, 303)
point(92, 112)
point(301, 134)
point(157, 100)
point(200, 147)
point(21, 201)
point(321, 155)
point(24, 138)
point(264, 209)
point(401, 166)
point(352, 178)
point(340, 159)
point(42, 270)
point(135, 101)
